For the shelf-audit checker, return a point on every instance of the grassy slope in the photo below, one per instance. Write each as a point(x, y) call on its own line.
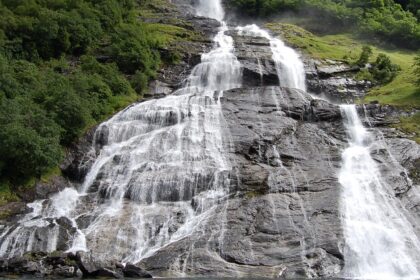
point(401, 92)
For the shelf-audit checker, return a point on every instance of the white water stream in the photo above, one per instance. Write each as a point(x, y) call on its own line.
point(380, 241)
point(289, 66)
point(159, 175)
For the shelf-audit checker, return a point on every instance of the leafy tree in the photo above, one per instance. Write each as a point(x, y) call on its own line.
point(384, 19)
point(364, 56)
point(29, 140)
point(52, 87)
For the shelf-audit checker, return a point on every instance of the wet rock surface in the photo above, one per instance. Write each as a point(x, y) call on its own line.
point(334, 80)
point(60, 265)
point(281, 216)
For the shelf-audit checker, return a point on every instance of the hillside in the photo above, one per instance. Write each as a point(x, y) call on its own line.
point(171, 139)
point(402, 92)
point(67, 66)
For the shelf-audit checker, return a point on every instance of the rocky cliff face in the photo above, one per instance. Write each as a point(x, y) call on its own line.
point(280, 216)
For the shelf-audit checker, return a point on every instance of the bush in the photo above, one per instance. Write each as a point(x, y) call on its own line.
point(383, 70)
point(29, 140)
point(133, 51)
point(364, 56)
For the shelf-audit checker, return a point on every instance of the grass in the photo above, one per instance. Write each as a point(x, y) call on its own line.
point(401, 92)
point(411, 125)
point(6, 195)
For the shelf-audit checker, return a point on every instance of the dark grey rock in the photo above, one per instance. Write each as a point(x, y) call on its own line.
point(42, 265)
point(132, 271)
point(79, 158)
point(279, 223)
point(334, 80)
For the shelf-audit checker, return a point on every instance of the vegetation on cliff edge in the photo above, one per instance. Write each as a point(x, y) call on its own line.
point(383, 20)
point(65, 66)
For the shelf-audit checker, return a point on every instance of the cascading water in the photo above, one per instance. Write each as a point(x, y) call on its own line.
point(289, 66)
point(211, 9)
point(380, 241)
point(160, 170)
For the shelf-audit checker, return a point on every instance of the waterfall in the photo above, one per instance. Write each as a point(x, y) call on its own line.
point(289, 66)
point(380, 241)
point(160, 173)
point(162, 167)
point(211, 9)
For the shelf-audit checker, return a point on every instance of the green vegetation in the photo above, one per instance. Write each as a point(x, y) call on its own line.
point(416, 70)
point(401, 91)
point(6, 195)
point(411, 125)
point(397, 71)
point(383, 70)
point(364, 56)
point(66, 65)
point(375, 19)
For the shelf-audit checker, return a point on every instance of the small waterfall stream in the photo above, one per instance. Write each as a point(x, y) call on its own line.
point(289, 66)
point(380, 241)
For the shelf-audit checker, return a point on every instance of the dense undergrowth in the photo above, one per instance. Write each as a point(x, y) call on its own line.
point(66, 65)
point(395, 22)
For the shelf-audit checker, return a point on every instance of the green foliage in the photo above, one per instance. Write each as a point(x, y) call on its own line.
point(131, 48)
point(416, 71)
point(365, 56)
point(6, 196)
point(401, 91)
point(411, 125)
point(382, 19)
point(64, 66)
point(383, 70)
point(364, 75)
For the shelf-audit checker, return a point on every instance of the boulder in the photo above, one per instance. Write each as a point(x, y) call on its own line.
point(133, 271)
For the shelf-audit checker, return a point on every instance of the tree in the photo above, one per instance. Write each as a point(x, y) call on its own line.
point(364, 56)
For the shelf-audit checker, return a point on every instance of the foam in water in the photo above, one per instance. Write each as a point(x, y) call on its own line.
point(289, 66)
point(162, 169)
point(380, 241)
point(211, 9)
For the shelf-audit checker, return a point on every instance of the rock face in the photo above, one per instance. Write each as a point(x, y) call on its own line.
point(280, 216)
point(63, 265)
point(334, 80)
point(282, 219)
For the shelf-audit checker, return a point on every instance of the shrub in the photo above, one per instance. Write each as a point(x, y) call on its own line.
point(383, 70)
point(364, 56)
